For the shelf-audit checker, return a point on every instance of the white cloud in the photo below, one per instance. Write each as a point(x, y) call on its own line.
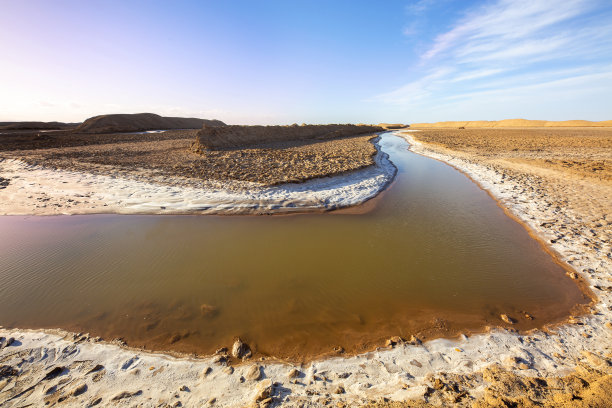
point(512, 47)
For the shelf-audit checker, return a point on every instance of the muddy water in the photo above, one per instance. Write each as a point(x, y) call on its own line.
point(436, 256)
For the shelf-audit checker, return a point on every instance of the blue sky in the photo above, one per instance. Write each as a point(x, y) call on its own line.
point(294, 61)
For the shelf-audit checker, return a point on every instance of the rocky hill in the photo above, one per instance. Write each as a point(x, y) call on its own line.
point(138, 122)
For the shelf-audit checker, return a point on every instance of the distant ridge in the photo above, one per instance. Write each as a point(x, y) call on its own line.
point(137, 122)
point(513, 123)
point(36, 125)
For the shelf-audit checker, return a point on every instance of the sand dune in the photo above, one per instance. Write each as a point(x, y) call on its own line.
point(241, 136)
point(139, 122)
point(513, 123)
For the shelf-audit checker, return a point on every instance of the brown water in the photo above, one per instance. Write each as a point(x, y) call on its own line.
point(434, 257)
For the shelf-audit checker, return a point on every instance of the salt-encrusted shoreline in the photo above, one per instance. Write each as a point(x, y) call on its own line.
point(404, 372)
point(37, 190)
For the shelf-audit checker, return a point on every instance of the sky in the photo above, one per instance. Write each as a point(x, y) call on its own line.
point(307, 61)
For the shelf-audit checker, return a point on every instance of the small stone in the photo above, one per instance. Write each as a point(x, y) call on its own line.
point(458, 349)
point(573, 275)
point(222, 350)
point(220, 359)
point(212, 401)
point(241, 350)
point(416, 363)
point(415, 341)
point(393, 341)
point(254, 373)
point(507, 319)
point(265, 403)
point(586, 335)
point(608, 325)
point(523, 366)
point(206, 371)
point(228, 370)
point(264, 390)
point(241, 379)
point(339, 390)
point(184, 388)
point(294, 373)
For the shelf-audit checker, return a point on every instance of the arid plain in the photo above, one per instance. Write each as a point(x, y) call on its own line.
point(557, 181)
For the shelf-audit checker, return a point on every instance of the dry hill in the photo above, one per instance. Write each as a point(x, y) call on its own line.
point(36, 125)
point(138, 122)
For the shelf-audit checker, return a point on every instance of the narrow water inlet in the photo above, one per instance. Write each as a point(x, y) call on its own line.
point(435, 256)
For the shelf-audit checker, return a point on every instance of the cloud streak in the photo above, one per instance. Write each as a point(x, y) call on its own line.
point(513, 47)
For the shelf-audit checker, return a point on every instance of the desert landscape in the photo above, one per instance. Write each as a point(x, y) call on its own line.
point(539, 175)
point(306, 204)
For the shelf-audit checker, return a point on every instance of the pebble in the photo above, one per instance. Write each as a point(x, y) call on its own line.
point(393, 341)
point(507, 319)
point(294, 373)
point(253, 373)
point(241, 350)
point(339, 390)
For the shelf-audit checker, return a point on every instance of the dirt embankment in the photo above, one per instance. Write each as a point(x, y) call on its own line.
point(141, 122)
point(168, 154)
point(512, 123)
point(212, 138)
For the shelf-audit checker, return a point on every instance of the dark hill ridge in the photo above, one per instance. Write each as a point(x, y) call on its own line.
point(241, 136)
point(37, 125)
point(138, 122)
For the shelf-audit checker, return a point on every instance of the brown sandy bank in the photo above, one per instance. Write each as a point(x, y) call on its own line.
point(227, 137)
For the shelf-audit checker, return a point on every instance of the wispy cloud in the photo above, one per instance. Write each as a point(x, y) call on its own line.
point(512, 44)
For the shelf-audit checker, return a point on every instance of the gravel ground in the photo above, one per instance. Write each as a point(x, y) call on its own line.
point(169, 153)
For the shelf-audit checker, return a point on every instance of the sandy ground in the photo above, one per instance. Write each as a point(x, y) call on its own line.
point(568, 365)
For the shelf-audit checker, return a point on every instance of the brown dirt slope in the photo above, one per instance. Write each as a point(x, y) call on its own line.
point(140, 122)
point(512, 123)
point(241, 136)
